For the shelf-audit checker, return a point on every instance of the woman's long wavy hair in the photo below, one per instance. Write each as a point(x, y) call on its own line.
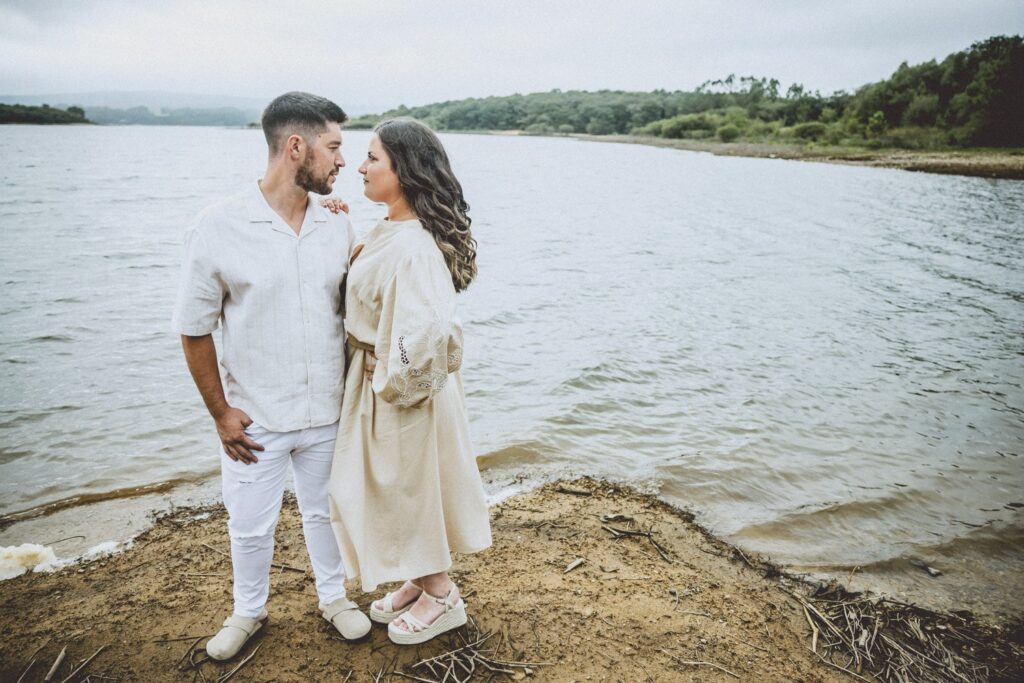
point(432, 191)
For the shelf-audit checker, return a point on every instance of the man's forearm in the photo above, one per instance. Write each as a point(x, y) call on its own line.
point(201, 356)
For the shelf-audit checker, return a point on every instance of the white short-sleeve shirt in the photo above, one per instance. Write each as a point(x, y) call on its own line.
point(278, 297)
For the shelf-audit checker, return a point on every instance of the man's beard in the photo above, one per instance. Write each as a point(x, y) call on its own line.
point(305, 179)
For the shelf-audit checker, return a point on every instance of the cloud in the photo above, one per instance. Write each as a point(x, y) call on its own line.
point(416, 51)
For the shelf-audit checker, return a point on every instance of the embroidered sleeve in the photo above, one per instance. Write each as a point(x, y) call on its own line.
point(419, 340)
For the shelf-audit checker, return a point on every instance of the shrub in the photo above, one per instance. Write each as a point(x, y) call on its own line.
point(763, 128)
point(812, 130)
point(728, 133)
point(688, 126)
point(913, 138)
point(652, 128)
point(737, 116)
point(566, 129)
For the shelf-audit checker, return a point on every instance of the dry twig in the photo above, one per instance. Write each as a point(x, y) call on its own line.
point(178, 640)
point(618, 532)
point(275, 565)
point(572, 565)
point(462, 663)
point(574, 492)
point(696, 663)
point(25, 672)
point(188, 651)
point(240, 665)
point(895, 641)
point(84, 664)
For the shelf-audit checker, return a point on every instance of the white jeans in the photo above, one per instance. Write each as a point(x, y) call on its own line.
point(252, 496)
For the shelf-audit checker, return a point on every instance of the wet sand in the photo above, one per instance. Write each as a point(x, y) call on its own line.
point(586, 581)
point(1007, 164)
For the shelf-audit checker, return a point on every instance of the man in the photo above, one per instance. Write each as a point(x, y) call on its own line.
point(269, 265)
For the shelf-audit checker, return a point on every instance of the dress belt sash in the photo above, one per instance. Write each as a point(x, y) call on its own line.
point(356, 344)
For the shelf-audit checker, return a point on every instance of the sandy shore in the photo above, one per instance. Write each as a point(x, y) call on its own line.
point(586, 581)
point(980, 163)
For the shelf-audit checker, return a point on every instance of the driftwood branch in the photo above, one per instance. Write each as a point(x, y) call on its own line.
point(56, 665)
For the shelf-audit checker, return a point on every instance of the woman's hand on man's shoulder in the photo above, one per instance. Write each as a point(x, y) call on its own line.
point(334, 204)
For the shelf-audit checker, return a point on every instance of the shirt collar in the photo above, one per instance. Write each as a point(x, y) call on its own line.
point(259, 211)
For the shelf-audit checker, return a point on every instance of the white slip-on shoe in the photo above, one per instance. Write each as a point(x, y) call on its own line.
point(229, 640)
point(454, 616)
point(346, 617)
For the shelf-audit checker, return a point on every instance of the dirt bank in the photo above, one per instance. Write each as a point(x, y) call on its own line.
point(981, 163)
point(585, 582)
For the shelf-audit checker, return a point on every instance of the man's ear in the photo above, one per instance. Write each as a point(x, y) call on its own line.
point(295, 146)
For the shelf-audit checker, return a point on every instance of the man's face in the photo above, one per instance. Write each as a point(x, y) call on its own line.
point(322, 161)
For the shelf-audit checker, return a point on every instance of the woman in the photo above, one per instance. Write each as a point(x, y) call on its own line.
point(405, 488)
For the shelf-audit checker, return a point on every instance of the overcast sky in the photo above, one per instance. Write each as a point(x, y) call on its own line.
point(378, 54)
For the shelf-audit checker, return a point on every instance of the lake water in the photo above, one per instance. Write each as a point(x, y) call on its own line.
point(825, 363)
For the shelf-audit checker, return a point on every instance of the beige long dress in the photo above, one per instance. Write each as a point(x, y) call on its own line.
point(405, 488)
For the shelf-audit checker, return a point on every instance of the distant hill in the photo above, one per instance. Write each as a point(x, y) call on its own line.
point(152, 108)
point(144, 116)
point(167, 108)
point(153, 99)
point(20, 113)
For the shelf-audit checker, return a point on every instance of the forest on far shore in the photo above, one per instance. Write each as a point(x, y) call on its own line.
point(971, 98)
point(22, 113)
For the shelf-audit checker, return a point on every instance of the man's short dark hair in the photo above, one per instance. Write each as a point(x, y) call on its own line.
point(298, 112)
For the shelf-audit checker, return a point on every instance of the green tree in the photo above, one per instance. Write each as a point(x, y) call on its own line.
point(876, 125)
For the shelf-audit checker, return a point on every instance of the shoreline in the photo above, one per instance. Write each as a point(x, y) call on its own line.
point(1004, 164)
point(654, 593)
point(973, 163)
point(75, 532)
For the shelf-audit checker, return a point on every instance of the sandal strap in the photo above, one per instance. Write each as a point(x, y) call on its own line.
point(388, 601)
point(415, 624)
point(446, 600)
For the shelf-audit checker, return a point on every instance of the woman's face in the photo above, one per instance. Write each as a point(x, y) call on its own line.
point(380, 182)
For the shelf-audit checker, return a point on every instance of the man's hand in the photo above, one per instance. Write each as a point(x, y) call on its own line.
point(334, 205)
point(231, 426)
